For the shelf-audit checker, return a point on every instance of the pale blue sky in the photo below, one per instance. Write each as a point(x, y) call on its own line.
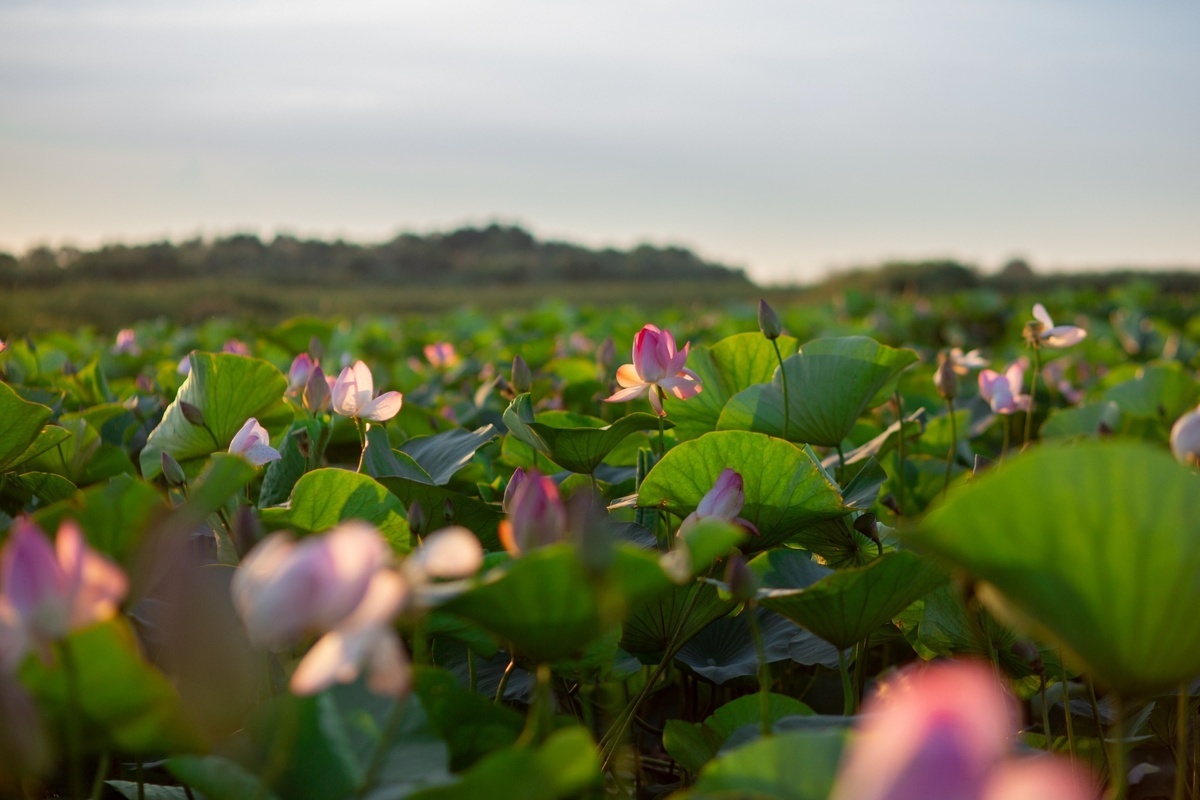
point(785, 137)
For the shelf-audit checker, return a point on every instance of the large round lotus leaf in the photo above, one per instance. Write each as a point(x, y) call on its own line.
point(847, 606)
point(831, 382)
point(546, 605)
point(785, 487)
point(228, 389)
point(325, 498)
point(727, 367)
point(579, 447)
point(668, 621)
point(1096, 546)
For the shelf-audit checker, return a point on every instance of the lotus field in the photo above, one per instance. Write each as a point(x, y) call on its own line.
point(941, 548)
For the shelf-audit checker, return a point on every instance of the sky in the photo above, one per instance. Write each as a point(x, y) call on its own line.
point(784, 137)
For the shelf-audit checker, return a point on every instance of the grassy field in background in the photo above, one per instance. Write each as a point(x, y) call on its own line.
point(111, 305)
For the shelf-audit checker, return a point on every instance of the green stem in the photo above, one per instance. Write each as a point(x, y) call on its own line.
point(783, 381)
point(141, 779)
point(101, 775)
point(1181, 743)
point(900, 456)
point(1046, 717)
point(472, 677)
point(72, 721)
point(213, 436)
point(1118, 777)
point(764, 673)
point(847, 688)
point(662, 439)
point(953, 444)
point(503, 684)
point(1099, 724)
point(541, 715)
point(1067, 704)
point(381, 749)
point(1037, 367)
point(841, 463)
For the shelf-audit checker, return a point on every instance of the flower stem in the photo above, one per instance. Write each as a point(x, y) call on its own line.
point(381, 749)
point(1119, 773)
point(1067, 703)
point(1099, 725)
point(1037, 367)
point(953, 444)
point(900, 455)
point(503, 684)
point(764, 672)
point(1181, 743)
point(73, 718)
point(783, 381)
point(847, 688)
point(101, 774)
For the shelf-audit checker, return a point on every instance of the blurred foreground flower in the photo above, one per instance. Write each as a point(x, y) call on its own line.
point(340, 585)
point(53, 590)
point(1185, 438)
point(1052, 335)
point(536, 515)
point(1003, 391)
point(253, 443)
point(723, 501)
point(943, 731)
point(963, 363)
point(354, 396)
point(657, 368)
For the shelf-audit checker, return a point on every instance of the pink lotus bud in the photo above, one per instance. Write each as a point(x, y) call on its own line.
point(441, 354)
point(298, 373)
point(518, 477)
point(354, 396)
point(235, 347)
point(536, 516)
point(317, 391)
point(127, 342)
point(723, 501)
point(284, 589)
point(253, 443)
point(54, 590)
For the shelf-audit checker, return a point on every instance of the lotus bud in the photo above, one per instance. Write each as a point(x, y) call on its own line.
point(536, 516)
point(868, 526)
point(606, 354)
point(316, 391)
point(302, 366)
point(514, 482)
point(768, 321)
point(416, 518)
point(522, 377)
point(172, 472)
point(945, 380)
point(1185, 438)
point(192, 413)
point(743, 583)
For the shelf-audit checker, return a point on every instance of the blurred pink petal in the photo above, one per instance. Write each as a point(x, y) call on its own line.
point(1041, 778)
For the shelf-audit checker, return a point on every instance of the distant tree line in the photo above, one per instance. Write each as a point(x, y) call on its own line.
point(476, 256)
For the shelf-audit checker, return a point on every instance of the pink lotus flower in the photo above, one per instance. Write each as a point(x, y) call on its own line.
point(1053, 335)
point(943, 731)
point(657, 368)
point(235, 347)
point(1003, 391)
point(253, 443)
point(1185, 438)
point(338, 585)
point(53, 590)
point(441, 354)
point(723, 501)
point(354, 396)
point(127, 342)
point(536, 515)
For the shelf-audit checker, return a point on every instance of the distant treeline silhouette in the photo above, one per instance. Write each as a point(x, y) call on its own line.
point(476, 256)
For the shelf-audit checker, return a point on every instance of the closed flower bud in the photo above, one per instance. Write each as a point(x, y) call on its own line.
point(416, 518)
point(742, 582)
point(536, 516)
point(316, 391)
point(944, 378)
point(192, 413)
point(172, 471)
point(522, 377)
point(607, 353)
point(768, 321)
